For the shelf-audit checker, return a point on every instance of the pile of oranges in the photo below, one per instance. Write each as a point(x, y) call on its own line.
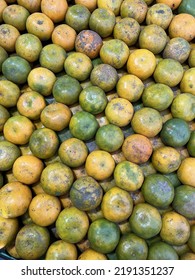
point(97, 131)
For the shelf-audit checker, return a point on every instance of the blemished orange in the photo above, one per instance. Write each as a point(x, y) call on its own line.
point(8, 36)
point(137, 148)
point(65, 36)
point(40, 25)
point(119, 111)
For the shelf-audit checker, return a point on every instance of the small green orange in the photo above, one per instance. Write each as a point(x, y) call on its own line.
point(145, 220)
point(107, 132)
point(132, 247)
point(175, 132)
point(83, 125)
point(72, 224)
point(103, 235)
point(93, 100)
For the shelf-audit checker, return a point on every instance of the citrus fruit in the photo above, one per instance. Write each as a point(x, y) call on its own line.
point(61, 250)
point(73, 152)
point(145, 220)
point(72, 224)
point(8, 37)
point(16, 15)
point(9, 153)
point(41, 79)
point(161, 251)
point(183, 107)
point(173, 4)
point(107, 132)
point(66, 90)
point(119, 111)
point(117, 205)
point(56, 116)
point(110, 5)
point(64, 36)
point(18, 129)
point(114, 52)
point(16, 69)
point(147, 121)
point(103, 235)
point(187, 256)
point(185, 171)
point(28, 46)
point(191, 144)
point(153, 38)
point(127, 30)
point(15, 198)
point(175, 228)
point(90, 254)
point(9, 228)
point(159, 14)
point(99, 164)
point(166, 159)
point(134, 9)
point(175, 132)
point(83, 125)
point(52, 57)
point(34, 6)
point(55, 10)
point(3, 6)
point(157, 96)
point(141, 63)
point(178, 49)
point(86, 193)
point(3, 56)
point(27, 169)
point(30, 104)
point(88, 42)
point(137, 148)
point(102, 21)
point(90, 4)
point(187, 83)
point(48, 179)
point(169, 72)
point(32, 242)
point(44, 209)
point(93, 100)
point(130, 87)
point(40, 25)
point(132, 247)
point(128, 176)
point(191, 239)
point(77, 16)
point(10, 93)
point(43, 143)
point(4, 116)
point(158, 190)
point(182, 26)
point(183, 201)
point(104, 76)
point(78, 65)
